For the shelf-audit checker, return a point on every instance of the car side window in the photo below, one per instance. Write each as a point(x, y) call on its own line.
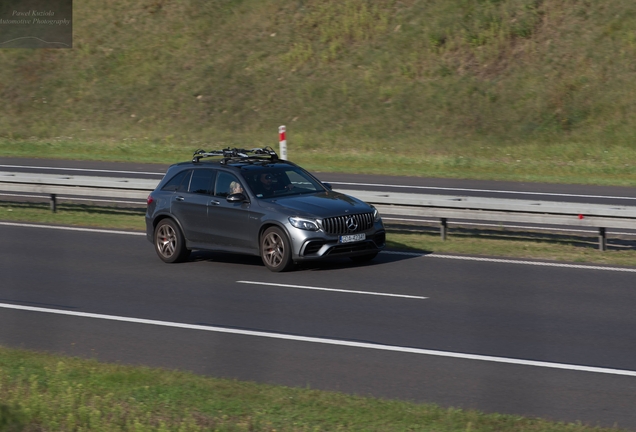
point(179, 182)
point(226, 184)
point(201, 182)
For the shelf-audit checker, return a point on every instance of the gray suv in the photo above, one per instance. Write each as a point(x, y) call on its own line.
point(252, 202)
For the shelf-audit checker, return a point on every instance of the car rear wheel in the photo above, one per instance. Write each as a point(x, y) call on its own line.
point(276, 250)
point(169, 242)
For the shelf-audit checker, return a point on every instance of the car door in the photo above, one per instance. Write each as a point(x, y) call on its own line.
point(229, 221)
point(190, 205)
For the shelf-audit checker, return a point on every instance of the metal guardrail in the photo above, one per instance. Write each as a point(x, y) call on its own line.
point(442, 207)
point(90, 186)
point(445, 207)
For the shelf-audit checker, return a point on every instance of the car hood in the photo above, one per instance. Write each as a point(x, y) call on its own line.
point(320, 205)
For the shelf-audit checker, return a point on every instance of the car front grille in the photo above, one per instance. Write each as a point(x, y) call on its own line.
point(344, 224)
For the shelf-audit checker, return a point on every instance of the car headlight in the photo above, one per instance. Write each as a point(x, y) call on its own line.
point(305, 224)
point(376, 214)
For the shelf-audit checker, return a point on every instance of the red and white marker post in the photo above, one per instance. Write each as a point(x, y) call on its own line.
point(282, 142)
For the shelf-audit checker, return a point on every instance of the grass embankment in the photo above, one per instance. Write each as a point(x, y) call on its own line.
point(531, 90)
point(40, 392)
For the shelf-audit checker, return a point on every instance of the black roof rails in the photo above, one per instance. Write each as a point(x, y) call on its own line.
point(236, 154)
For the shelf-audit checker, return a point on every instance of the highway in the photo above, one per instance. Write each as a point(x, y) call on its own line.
point(527, 338)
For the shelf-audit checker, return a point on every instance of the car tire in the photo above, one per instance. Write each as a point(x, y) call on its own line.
point(276, 250)
point(364, 258)
point(169, 242)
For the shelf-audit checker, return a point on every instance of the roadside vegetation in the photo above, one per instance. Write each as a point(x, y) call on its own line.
point(42, 392)
point(528, 90)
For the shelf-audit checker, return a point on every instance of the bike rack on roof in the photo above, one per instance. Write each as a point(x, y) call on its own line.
point(236, 154)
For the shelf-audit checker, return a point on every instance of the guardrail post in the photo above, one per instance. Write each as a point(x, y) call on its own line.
point(602, 240)
point(53, 203)
point(443, 228)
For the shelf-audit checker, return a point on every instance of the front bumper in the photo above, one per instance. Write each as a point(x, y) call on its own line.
point(318, 248)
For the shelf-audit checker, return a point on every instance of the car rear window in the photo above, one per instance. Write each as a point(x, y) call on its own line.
point(176, 182)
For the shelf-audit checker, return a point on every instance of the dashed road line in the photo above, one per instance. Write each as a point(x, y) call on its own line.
point(332, 289)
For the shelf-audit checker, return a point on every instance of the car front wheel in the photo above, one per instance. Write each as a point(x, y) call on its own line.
point(169, 242)
point(276, 250)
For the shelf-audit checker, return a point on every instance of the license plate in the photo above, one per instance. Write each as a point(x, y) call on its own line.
point(352, 238)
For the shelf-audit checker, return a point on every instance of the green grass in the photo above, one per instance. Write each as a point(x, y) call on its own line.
point(559, 163)
point(40, 392)
point(527, 90)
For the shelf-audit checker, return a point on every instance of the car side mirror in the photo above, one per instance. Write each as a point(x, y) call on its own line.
point(327, 185)
point(237, 197)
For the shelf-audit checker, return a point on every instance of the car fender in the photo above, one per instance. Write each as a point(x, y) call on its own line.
point(270, 223)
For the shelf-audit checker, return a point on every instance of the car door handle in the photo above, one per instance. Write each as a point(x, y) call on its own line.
point(215, 202)
point(180, 198)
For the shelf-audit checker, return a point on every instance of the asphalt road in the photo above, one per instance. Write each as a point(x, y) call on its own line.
point(466, 344)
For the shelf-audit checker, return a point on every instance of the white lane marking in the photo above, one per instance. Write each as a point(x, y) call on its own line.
point(331, 289)
point(66, 228)
point(414, 254)
point(81, 169)
point(511, 261)
point(481, 190)
point(337, 342)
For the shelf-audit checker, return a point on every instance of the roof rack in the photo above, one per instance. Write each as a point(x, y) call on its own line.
point(236, 154)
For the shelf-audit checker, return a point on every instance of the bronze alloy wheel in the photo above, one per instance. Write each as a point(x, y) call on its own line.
point(275, 250)
point(169, 242)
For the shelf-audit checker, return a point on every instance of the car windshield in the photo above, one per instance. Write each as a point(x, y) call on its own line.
point(281, 181)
